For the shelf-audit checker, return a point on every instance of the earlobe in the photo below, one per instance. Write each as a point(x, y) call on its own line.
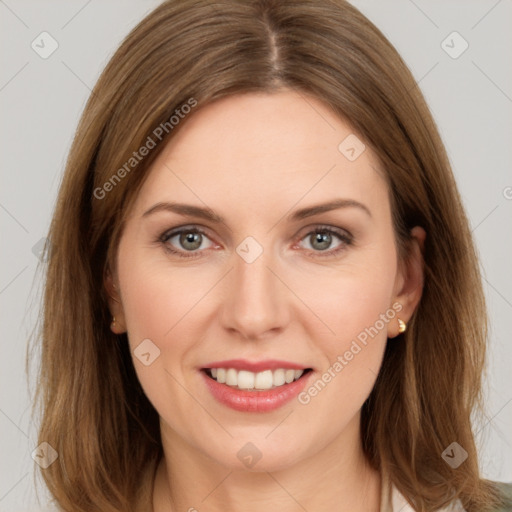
point(396, 327)
point(115, 326)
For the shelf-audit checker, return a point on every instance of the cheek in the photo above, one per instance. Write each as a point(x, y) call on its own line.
point(149, 312)
point(156, 300)
point(347, 299)
point(160, 304)
point(359, 314)
point(156, 296)
point(355, 302)
point(352, 357)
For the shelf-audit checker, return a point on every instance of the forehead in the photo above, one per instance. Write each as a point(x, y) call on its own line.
point(263, 150)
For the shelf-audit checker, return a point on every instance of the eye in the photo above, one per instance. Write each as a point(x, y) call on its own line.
point(185, 240)
point(321, 240)
point(189, 242)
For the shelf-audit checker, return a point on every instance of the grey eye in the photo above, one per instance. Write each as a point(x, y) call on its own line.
point(187, 240)
point(320, 241)
point(191, 241)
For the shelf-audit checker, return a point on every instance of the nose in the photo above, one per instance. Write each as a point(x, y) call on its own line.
point(255, 303)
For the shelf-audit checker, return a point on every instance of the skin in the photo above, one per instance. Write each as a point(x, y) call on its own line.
point(254, 159)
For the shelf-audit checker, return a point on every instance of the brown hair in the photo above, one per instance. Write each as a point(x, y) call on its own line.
point(95, 413)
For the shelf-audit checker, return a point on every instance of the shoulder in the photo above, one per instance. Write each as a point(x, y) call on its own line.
point(506, 491)
point(400, 504)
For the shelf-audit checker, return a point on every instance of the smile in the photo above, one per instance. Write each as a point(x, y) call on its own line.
point(255, 386)
point(247, 380)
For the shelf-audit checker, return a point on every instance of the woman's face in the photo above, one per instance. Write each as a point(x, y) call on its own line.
point(260, 292)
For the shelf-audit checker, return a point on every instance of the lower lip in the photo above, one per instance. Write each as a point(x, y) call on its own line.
point(255, 401)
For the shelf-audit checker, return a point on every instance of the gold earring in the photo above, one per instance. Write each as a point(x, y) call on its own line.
point(113, 323)
point(402, 326)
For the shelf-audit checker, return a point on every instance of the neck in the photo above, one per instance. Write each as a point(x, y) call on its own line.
point(338, 477)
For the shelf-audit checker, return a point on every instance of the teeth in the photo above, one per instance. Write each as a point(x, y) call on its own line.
point(279, 378)
point(231, 377)
point(262, 380)
point(221, 375)
point(244, 379)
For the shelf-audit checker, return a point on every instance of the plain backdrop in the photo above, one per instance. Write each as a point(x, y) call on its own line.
point(469, 93)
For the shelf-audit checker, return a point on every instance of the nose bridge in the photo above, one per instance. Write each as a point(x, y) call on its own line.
point(255, 302)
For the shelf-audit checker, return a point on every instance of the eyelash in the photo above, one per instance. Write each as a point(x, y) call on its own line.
point(344, 237)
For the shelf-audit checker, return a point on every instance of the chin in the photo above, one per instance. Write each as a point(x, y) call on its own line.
point(258, 456)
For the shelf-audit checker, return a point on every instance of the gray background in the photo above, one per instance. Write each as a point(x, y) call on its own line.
point(41, 100)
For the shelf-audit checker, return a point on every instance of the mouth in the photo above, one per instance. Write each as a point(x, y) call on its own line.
point(245, 380)
point(255, 387)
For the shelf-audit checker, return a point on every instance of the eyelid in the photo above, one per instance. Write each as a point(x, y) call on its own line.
point(324, 227)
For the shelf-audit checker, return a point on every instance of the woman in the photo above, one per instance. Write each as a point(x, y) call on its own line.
point(262, 288)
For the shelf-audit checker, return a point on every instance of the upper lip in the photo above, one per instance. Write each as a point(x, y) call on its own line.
point(256, 366)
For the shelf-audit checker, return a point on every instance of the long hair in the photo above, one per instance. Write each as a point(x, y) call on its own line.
point(192, 52)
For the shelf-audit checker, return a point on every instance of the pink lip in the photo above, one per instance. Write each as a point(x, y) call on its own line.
point(254, 401)
point(256, 366)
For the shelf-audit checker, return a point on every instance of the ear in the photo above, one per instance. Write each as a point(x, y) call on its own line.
point(409, 280)
point(114, 302)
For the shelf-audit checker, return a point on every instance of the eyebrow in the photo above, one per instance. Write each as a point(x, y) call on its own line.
point(210, 215)
point(326, 207)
